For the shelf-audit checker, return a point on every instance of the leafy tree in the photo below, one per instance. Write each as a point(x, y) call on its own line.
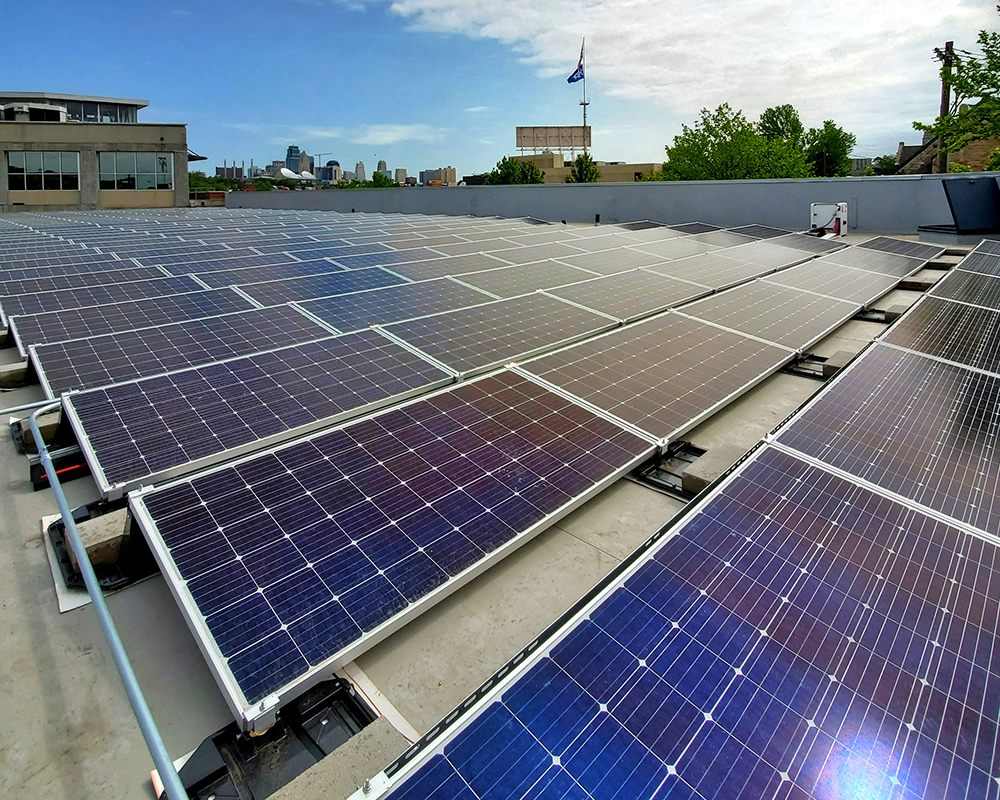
point(724, 145)
point(584, 170)
point(508, 171)
point(828, 150)
point(993, 162)
point(956, 167)
point(972, 78)
point(781, 123)
point(884, 165)
point(380, 181)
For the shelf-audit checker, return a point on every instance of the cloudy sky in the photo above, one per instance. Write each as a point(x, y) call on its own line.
point(427, 83)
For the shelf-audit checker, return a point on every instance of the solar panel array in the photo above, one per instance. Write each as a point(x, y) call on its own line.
point(823, 624)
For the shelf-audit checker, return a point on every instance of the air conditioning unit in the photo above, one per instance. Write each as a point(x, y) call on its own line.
point(828, 218)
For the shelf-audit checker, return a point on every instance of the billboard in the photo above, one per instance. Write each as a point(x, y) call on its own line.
point(553, 137)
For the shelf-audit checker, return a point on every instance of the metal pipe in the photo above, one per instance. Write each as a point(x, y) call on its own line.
point(25, 407)
point(171, 780)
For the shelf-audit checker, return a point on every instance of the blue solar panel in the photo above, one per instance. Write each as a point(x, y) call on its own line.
point(288, 559)
point(272, 293)
point(798, 637)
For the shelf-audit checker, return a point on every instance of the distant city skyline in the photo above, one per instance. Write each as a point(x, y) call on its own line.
point(420, 83)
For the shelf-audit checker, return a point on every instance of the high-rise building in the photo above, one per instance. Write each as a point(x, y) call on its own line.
point(400, 176)
point(233, 172)
point(444, 175)
point(382, 167)
point(331, 173)
point(306, 163)
point(359, 170)
point(292, 157)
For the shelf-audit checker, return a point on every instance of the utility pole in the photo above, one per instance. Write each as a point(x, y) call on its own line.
point(947, 58)
point(584, 103)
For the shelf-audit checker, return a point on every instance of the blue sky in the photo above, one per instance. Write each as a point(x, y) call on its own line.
point(428, 83)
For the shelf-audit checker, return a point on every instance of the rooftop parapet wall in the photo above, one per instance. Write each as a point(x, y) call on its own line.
point(890, 205)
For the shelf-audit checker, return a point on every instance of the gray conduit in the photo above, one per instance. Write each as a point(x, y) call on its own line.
point(171, 780)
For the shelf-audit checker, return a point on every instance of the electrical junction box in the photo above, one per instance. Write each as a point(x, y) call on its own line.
point(828, 217)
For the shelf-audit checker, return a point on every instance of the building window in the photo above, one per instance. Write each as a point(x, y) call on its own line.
point(42, 171)
point(137, 170)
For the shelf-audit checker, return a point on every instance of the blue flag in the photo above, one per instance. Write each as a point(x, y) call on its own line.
point(578, 74)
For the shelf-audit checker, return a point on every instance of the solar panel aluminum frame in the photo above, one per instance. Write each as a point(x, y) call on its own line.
point(706, 291)
point(434, 742)
point(115, 491)
point(259, 716)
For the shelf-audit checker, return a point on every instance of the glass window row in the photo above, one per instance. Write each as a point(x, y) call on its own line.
point(34, 171)
point(137, 170)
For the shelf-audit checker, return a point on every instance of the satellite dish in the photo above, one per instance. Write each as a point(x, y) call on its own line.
point(287, 173)
point(308, 176)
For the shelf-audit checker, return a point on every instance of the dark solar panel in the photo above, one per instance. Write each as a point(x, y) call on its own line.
point(983, 263)
point(135, 431)
point(535, 252)
point(674, 248)
point(493, 334)
point(387, 258)
point(989, 246)
point(969, 287)
point(695, 227)
point(661, 375)
point(926, 252)
point(78, 323)
point(954, 331)
point(722, 238)
point(779, 314)
point(351, 312)
point(712, 270)
point(453, 265)
point(602, 242)
point(114, 358)
point(760, 231)
point(799, 637)
point(275, 272)
point(879, 261)
point(766, 253)
point(645, 225)
point(921, 428)
point(808, 244)
point(54, 283)
point(294, 557)
point(630, 295)
point(43, 302)
point(835, 280)
point(608, 262)
point(467, 248)
point(514, 281)
point(309, 287)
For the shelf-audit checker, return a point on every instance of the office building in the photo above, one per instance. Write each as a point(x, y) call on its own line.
point(330, 173)
point(359, 170)
point(231, 172)
point(442, 176)
point(64, 151)
point(382, 168)
point(400, 176)
point(292, 157)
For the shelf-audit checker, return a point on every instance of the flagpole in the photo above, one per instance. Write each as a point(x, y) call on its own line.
point(584, 103)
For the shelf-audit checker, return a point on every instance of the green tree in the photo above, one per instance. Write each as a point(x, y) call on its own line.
point(584, 170)
point(884, 165)
point(993, 162)
point(781, 123)
point(508, 171)
point(975, 83)
point(828, 150)
point(380, 181)
point(724, 145)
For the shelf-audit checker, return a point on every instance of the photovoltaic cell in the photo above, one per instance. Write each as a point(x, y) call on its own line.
point(722, 238)
point(712, 270)
point(58, 326)
point(630, 295)
point(798, 637)
point(760, 231)
point(535, 252)
point(43, 302)
point(879, 261)
point(695, 227)
point(954, 331)
point(289, 559)
point(514, 281)
point(351, 312)
point(177, 421)
point(661, 375)
point(674, 248)
point(926, 252)
point(835, 280)
point(118, 357)
point(969, 287)
point(983, 263)
point(274, 272)
point(387, 258)
point(790, 317)
point(608, 262)
point(494, 334)
point(453, 265)
point(808, 244)
point(920, 428)
point(33, 285)
point(765, 253)
point(272, 293)
point(989, 246)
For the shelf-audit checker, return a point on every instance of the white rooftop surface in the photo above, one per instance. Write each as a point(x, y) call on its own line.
point(70, 732)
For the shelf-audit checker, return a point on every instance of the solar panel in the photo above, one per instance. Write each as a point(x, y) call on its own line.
point(953, 331)
point(797, 637)
point(766, 253)
point(879, 261)
point(834, 280)
point(779, 314)
point(309, 287)
point(133, 433)
point(514, 281)
point(631, 295)
point(78, 323)
point(535, 252)
point(721, 238)
point(118, 357)
point(927, 252)
point(991, 246)
point(598, 243)
point(296, 560)
point(479, 338)
point(674, 248)
point(983, 263)
point(808, 244)
point(387, 258)
point(43, 302)
point(466, 248)
point(452, 265)
point(53, 283)
point(274, 272)
point(662, 375)
point(969, 287)
point(357, 310)
point(712, 270)
point(695, 227)
point(920, 428)
point(645, 225)
point(760, 231)
point(608, 262)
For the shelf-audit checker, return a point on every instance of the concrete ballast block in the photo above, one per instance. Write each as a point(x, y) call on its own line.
point(836, 363)
point(709, 467)
point(895, 312)
point(103, 537)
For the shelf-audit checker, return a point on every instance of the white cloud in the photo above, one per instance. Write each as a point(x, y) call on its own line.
point(477, 109)
point(866, 64)
point(393, 134)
